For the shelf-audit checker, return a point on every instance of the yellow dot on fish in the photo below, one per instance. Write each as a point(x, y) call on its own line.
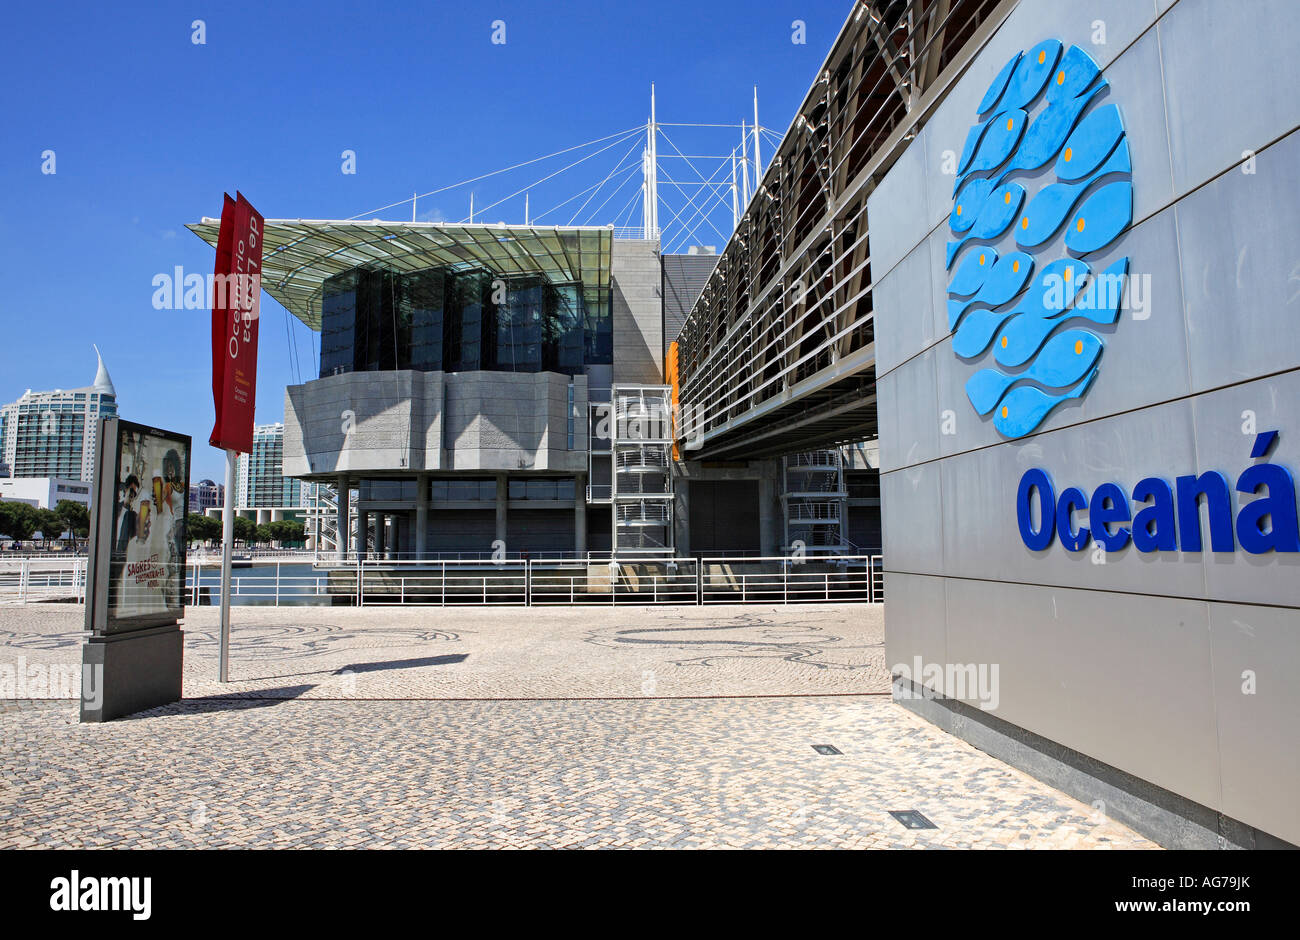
point(1011, 122)
point(1078, 347)
point(1004, 411)
point(959, 210)
point(1060, 77)
point(1024, 223)
point(1069, 273)
point(1069, 152)
point(1007, 197)
point(1004, 342)
point(1015, 266)
point(1080, 225)
point(981, 259)
point(1042, 57)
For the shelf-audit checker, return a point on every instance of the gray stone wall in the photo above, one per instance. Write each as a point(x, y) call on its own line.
point(1176, 667)
point(413, 421)
point(637, 308)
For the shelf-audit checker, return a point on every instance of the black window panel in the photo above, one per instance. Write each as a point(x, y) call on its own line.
point(424, 290)
point(519, 326)
point(468, 337)
point(598, 332)
point(338, 322)
point(373, 320)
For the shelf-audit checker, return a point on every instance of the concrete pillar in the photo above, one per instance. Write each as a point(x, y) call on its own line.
point(580, 515)
point(341, 519)
point(422, 517)
point(363, 523)
point(503, 495)
point(770, 526)
point(681, 517)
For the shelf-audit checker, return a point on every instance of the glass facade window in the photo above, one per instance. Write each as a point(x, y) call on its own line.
point(49, 442)
point(374, 320)
point(390, 490)
point(469, 339)
point(542, 489)
point(598, 328)
point(519, 327)
point(479, 490)
point(262, 483)
point(338, 321)
point(422, 297)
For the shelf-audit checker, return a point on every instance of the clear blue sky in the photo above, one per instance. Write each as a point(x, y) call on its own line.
point(149, 129)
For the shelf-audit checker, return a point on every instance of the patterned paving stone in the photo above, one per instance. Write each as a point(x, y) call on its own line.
point(513, 728)
point(504, 652)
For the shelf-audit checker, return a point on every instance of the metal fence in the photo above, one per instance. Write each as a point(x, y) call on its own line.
point(470, 582)
point(43, 579)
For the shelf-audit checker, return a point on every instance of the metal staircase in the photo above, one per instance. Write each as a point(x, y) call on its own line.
point(642, 486)
point(321, 519)
point(815, 502)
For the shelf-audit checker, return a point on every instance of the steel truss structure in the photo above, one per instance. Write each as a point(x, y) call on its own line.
point(783, 331)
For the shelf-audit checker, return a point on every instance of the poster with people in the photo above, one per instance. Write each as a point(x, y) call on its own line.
point(147, 561)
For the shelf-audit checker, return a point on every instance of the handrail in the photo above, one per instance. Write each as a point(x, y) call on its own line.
point(641, 579)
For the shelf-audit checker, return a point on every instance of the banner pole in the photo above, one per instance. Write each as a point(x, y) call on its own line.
point(227, 548)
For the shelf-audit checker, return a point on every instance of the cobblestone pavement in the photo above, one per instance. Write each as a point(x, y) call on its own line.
point(492, 750)
point(505, 652)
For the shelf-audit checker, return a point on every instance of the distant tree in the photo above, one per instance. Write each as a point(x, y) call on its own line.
point(276, 530)
point(50, 525)
point(201, 528)
point(262, 534)
point(295, 533)
point(74, 516)
point(18, 520)
point(288, 531)
point(245, 529)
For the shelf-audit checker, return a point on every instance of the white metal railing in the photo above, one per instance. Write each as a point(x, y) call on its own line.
point(645, 580)
point(828, 459)
point(643, 458)
point(818, 511)
point(26, 579)
point(643, 512)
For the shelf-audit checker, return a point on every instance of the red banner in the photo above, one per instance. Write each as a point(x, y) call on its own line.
point(236, 295)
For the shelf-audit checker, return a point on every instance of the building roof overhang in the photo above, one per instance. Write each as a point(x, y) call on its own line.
point(299, 255)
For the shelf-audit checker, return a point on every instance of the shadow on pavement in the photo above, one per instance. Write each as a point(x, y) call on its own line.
point(447, 660)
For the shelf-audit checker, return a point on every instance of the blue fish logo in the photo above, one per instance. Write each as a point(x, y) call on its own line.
point(1045, 159)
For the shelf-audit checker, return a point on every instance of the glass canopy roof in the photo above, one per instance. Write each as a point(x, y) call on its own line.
point(300, 254)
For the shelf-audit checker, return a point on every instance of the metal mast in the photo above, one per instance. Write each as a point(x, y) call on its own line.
point(758, 160)
point(735, 203)
point(744, 167)
point(652, 173)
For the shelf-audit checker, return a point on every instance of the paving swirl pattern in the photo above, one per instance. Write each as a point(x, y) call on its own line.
point(481, 728)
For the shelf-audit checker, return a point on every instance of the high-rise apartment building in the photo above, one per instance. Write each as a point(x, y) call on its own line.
point(52, 434)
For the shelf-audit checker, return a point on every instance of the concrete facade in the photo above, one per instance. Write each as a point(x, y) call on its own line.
point(395, 422)
point(44, 492)
point(636, 281)
point(1171, 670)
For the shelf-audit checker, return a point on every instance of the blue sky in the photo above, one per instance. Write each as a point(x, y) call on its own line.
point(148, 130)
